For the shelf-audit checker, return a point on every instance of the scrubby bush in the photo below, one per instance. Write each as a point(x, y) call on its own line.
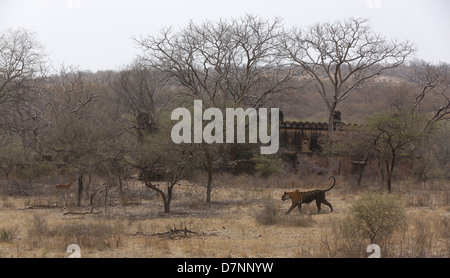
point(375, 216)
point(271, 215)
point(7, 235)
point(372, 218)
point(267, 166)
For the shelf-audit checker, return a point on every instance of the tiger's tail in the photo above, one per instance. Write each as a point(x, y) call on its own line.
point(334, 182)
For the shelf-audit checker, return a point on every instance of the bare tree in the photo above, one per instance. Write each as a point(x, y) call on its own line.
point(173, 161)
point(21, 61)
point(224, 63)
point(140, 89)
point(433, 82)
point(23, 68)
point(76, 126)
point(393, 136)
point(11, 154)
point(341, 56)
point(74, 92)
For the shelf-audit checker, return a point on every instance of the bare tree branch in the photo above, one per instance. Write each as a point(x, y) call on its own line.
point(341, 56)
point(221, 62)
point(434, 83)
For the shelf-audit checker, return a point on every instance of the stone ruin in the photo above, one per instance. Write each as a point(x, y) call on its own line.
point(306, 136)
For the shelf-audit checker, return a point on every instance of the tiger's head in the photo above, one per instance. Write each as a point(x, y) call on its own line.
point(286, 195)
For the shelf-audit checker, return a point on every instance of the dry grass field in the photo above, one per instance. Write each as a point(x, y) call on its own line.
point(234, 224)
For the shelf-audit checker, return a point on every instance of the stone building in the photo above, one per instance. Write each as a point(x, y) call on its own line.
point(306, 136)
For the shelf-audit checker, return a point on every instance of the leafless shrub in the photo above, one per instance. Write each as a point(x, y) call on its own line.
point(271, 215)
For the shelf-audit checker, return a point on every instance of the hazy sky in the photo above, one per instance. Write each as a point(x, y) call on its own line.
point(96, 34)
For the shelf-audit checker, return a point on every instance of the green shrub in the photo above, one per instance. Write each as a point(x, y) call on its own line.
point(268, 165)
point(375, 216)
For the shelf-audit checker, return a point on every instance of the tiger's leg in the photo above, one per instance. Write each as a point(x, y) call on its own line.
point(290, 209)
point(318, 203)
point(327, 203)
point(299, 206)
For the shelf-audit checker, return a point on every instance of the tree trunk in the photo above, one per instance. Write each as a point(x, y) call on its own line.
point(209, 184)
point(80, 189)
point(23, 139)
point(37, 145)
point(166, 207)
point(380, 167)
point(106, 196)
point(208, 166)
point(120, 184)
point(390, 170)
point(362, 171)
point(331, 118)
point(167, 200)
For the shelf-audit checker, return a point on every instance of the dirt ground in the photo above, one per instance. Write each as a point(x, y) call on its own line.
point(137, 226)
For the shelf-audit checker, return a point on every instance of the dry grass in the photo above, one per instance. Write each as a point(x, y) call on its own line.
point(245, 219)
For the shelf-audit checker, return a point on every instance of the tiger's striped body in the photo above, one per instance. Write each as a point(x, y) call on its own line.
point(304, 197)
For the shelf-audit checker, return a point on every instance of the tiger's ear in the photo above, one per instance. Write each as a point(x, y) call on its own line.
point(285, 192)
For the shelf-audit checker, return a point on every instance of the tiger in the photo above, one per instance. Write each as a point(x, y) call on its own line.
point(304, 197)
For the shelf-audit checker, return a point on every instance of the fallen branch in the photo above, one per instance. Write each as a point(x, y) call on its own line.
point(176, 233)
point(172, 233)
point(138, 233)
